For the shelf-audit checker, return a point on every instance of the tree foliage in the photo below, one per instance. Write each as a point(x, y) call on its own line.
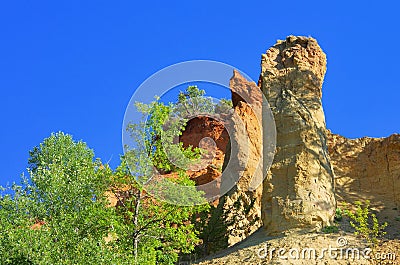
point(152, 228)
point(59, 215)
point(161, 137)
point(194, 102)
point(366, 223)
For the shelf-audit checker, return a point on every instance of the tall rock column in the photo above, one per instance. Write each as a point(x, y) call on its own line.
point(298, 190)
point(243, 175)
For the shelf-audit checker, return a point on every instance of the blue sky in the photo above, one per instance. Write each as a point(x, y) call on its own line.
point(72, 66)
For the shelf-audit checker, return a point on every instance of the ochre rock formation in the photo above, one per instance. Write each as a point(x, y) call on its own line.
point(242, 177)
point(212, 136)
point(196, 131)
point(311, 166)
point(367, 169)
point(298, 191)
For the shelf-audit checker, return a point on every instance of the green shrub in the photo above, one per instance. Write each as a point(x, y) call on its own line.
point(338, 214)
point(330, 229)
point(366, 223)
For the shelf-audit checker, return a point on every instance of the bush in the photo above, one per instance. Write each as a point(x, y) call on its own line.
point(366, 223)
point(330, 229)
point(338, 215)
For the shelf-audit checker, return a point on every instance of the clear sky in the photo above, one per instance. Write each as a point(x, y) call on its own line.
point(73, 65)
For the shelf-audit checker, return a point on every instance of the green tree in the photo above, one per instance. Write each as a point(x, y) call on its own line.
point(224, 106)
point(160, 134)
point(193, 102)
point(15, 220)
point(65, 193)
point(60, 213)
point(152, 229)
point(164, 123)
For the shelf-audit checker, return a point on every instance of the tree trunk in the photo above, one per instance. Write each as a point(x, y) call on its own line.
point(135, 223)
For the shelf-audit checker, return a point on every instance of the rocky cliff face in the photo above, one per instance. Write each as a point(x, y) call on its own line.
point(242, 156)
point(298, 192)
point(367, 169)
point(311, 164)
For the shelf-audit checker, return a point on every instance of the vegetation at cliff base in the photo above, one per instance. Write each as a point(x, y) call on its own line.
point(74, 209)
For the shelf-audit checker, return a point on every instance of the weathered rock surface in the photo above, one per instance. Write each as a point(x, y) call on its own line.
point(368, 169)
point(201, 127)
point(312, 167)
point(298, 191)
point(243, 162)
point(212, 136)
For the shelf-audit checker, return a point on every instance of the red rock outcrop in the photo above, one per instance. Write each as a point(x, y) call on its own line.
point(211, 135)
point(201, 127)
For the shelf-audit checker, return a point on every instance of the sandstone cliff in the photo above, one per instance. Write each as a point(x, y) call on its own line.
point(312, 166)
point(368, 169)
